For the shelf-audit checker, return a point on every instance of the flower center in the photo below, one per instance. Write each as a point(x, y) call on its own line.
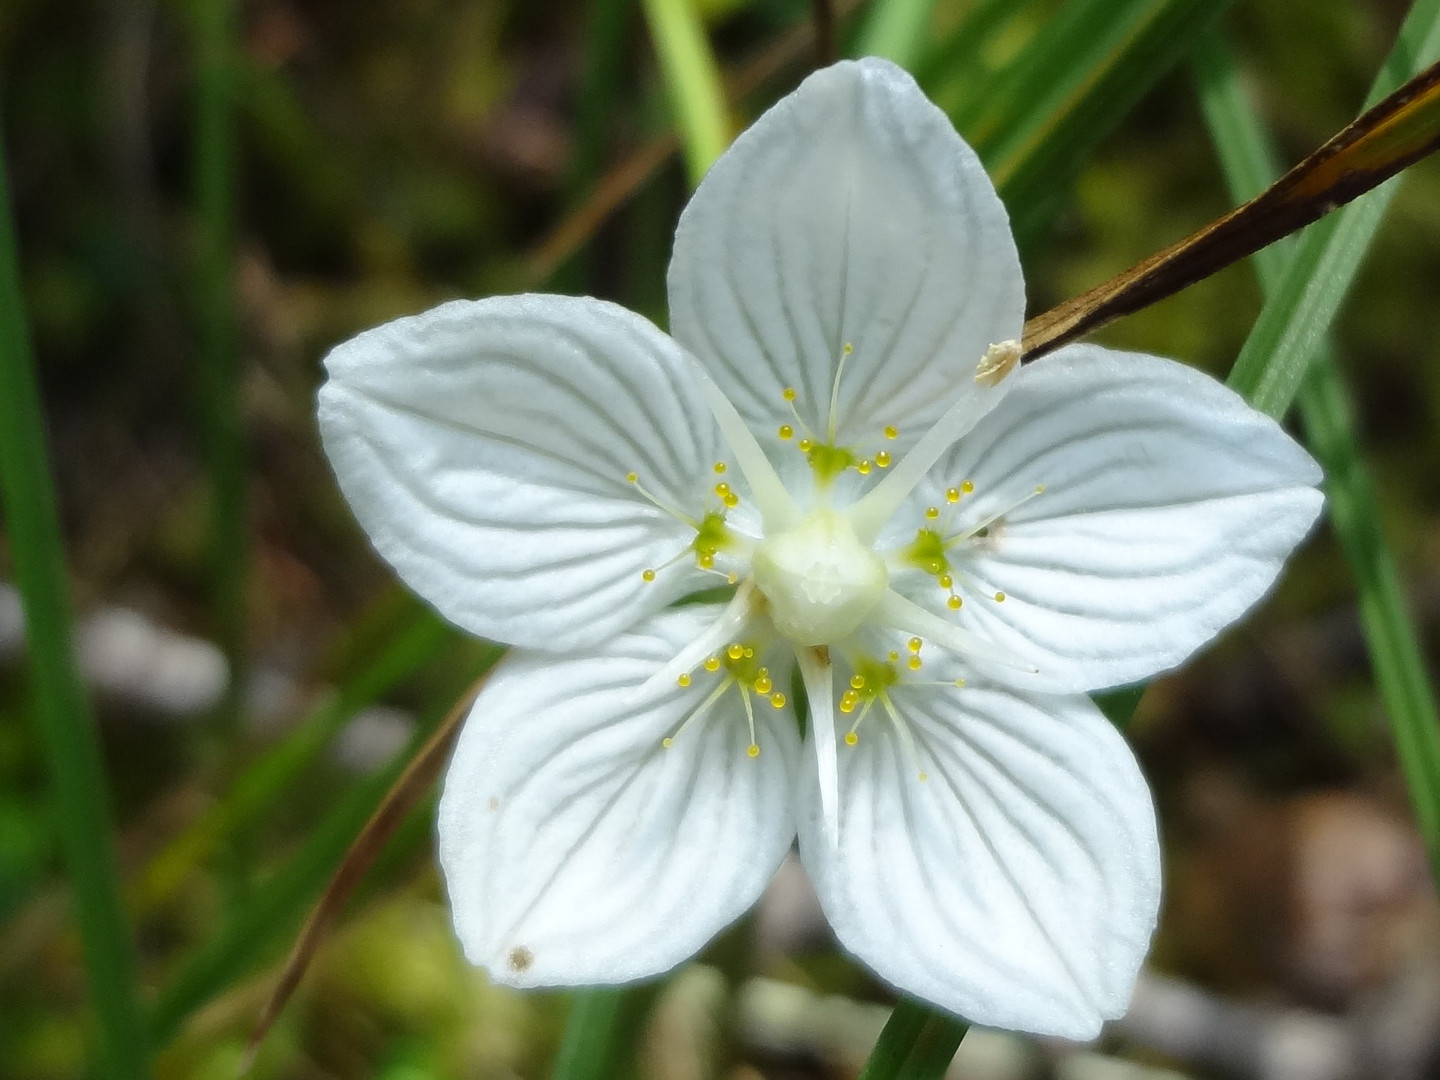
point(819, 580)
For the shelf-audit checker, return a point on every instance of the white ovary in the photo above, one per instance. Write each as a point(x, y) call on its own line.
point(819, 580)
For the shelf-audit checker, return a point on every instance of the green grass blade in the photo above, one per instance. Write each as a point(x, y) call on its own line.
point(692, 79)
point(1303, 304)
point(79, 794)
point(219, 373)
point(957, 56)
point(602, 1031)
point(917, 1043)
point(1250, 164)
point(1061, 102)
point(275, 909)
point(896, 30)
point(256, 789)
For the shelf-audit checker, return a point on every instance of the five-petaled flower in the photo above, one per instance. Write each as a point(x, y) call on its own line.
point(951, 550)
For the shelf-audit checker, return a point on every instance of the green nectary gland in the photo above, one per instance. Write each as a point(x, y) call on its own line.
point(829, 461)
point(711, 536)
point(928, 552)
point(879, 675)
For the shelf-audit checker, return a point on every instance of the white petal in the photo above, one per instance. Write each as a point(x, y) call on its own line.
point(1018, 884)
point(849, 214)
point(484, 447)
point(576, 848)
point(1169, 507)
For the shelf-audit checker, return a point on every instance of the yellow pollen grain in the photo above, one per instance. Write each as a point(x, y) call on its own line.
point(736, 651)
point(892, 432)
point(952, 495)
point(954, 602)
point(883, 459)
point(777, 699)
point(915, 662)
point(786, 431)
point(932, 512)
point(753, 751)
point(967, 487)
point(851, 738)
point(712, 663)
point(789, 393)
point(914, 644)
point(683, 680)
point(648, 575)
point(999, 597)
point(719, 466)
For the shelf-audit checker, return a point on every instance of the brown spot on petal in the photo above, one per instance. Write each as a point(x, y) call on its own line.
point(520, 959)
point(494, 802)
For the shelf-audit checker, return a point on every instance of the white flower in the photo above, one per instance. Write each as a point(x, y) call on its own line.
point(951, 549)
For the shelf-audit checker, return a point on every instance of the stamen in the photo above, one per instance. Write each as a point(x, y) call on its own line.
point(754, 748)
point(777, 509)
point(906, 738)
point(728, 626)
point(897, 612)
point(633, 479)
point(987, 522)
point(852, 737)
point(700, 710)
point(835, 393)
point(870, 513)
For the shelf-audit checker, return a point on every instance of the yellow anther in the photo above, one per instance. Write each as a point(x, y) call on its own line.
point(719, 466)
point(959, 682)
point(848, 702)
point(777, 699)
point(883, 459)
point(749, 653)
point(631, 478)
point(999, 597)
point(683, 679)
point(851, 738)
point(952, 495)
point(722, 489)
point(786, 431)
point(857, 682)
point(922, 776)
point(914, 644)
point(805, 445)
point(731, 578)
point(730, 499)
point(1039, 489)
point(763, 684)
point(932, 512)
point(789, 393)
point(753, 751)
point(915, 663)
point(712, 663)
point(946, 581)
point(892, 432)
point(893, 656)
point(667, 742)
point(954, 602)
point(848, 349)
point(967, 487)
point(648, 575)
point(706, 560)
point(736, 651)
point(862, 467)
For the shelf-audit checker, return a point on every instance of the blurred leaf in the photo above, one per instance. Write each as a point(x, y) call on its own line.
point(1302, 305)
point(1390, 634)
point(602, 1031)
point(79, 793)
point(692, 81)
point(918, 1042)
point(896, 30)
point(399, 800)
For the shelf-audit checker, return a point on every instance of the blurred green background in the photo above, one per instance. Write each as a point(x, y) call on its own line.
point(207, 196)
